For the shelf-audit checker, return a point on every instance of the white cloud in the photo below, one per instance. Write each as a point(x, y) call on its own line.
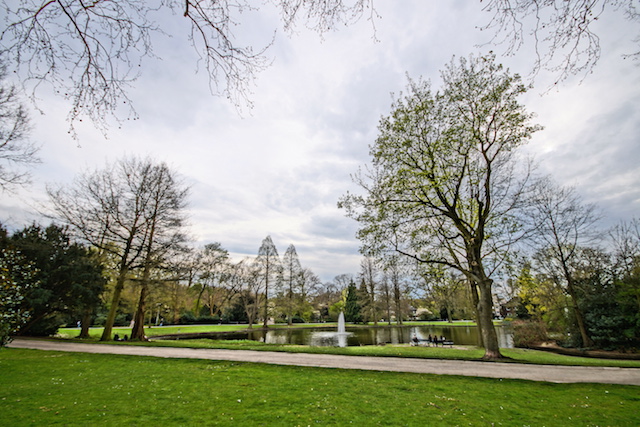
point(280, 168)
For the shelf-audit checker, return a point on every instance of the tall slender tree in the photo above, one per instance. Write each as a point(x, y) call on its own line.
point(214, 263)
point(369, 276)
point(270, 268)
point(164, 222)
point(352, 309)
point(291, 278)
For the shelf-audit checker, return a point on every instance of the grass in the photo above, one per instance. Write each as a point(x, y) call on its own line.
point(53, 388)
point(176, 329)
point(96, 333)
point(457, 353)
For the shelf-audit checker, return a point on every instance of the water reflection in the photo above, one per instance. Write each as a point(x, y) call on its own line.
point(355, 336)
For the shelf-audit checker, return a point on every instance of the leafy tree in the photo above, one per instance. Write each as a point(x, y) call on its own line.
point(365, 301)
point(70, 279)
point(597, 296)
point(352, 309)
point(626, 253)
point(443, 187)
point(91, 52)
point(563, 223)
point(16, 278)
point(16, 151)
point(444, 287)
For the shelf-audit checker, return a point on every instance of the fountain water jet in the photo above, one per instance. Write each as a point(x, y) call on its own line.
point(338, 338)
point(341, 328)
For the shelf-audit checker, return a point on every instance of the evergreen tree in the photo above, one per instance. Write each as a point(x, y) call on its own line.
point(352, 308)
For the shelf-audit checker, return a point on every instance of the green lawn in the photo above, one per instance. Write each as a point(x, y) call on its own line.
point(176, 329)
point(458, 353)
point(53, 388)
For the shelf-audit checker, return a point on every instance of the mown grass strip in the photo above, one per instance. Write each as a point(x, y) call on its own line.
point(50, 388)
point(456, 353)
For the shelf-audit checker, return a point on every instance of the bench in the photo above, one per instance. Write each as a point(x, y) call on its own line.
point(436, 342)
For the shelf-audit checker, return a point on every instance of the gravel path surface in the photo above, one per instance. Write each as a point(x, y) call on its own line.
point(549, 373)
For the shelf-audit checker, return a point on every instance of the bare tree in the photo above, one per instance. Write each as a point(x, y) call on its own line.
point(562, 32)
point(625, 238)
point(369, 277)
point(164, 221)
point(213, 266)
point(395, 272)
point(268, 264)
point(309, 285)
point(112, 209)
point(16, 151)
point(291, 278)
point(563, 224)
point(247, 276)
point(90, 51)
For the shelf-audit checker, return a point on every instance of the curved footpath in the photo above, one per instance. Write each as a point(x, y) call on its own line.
point(549, 373)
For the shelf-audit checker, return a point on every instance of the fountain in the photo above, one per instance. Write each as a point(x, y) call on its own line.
point(341, 328)
point(338, 338)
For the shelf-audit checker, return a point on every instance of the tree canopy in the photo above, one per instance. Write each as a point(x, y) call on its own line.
point(92, 51)
point(443, 185)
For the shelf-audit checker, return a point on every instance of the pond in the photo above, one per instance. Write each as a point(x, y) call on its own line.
point(360, 335)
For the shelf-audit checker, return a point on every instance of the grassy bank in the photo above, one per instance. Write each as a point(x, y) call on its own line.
point(456, 353)
point(48, 388)
point(177, 329)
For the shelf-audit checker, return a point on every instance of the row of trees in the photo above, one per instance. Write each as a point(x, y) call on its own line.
point(590, 291)
point(448, 189)
point(130, 218)
point(122, 258)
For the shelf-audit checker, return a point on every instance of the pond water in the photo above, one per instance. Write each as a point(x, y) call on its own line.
point(363, 335)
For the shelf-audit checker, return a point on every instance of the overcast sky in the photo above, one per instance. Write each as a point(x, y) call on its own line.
point(280, 168)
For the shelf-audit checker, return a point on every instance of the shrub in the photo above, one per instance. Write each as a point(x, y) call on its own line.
point(527, 333)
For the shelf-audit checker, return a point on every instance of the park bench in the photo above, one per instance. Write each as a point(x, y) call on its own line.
point(436, 342)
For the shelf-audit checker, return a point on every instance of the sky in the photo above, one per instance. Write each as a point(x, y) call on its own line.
point(280, 167)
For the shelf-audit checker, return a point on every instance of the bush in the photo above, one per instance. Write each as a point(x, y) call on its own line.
point(527, 333)
point(188, 318)
point(427, 316)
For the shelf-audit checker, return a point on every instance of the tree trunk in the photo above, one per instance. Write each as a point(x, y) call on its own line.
point(197, 306)
point(485, 321)
point(115, 300)
point(86, 323)
point(266, 308)
point(584, 334)
point(476, 304)
point(137, 332)
point(290, 306)
point(397, 300)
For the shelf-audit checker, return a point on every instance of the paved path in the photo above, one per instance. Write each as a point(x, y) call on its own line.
point(550, 373)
